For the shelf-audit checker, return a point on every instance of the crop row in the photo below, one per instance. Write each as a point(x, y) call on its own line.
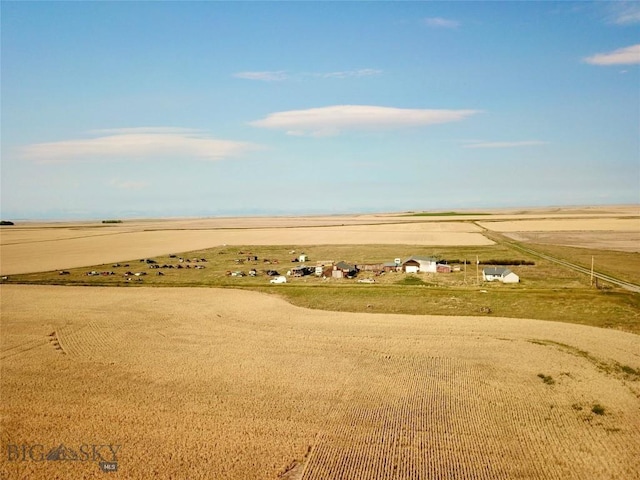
point(442, 418)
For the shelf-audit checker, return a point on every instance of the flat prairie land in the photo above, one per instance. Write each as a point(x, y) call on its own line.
point(622, 241)
point(228, 384)
point(51, 248)
point(190, 382)
point(42, 246)
point(565, 225)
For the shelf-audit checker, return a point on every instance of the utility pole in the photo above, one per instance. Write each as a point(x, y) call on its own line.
point(477, 270)
point(592, 271)
point(465, 271)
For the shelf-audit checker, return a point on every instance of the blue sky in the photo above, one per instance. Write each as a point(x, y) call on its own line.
point(152, 109)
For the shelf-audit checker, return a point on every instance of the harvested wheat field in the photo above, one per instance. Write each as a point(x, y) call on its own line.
point(565, 225)
point(224, 384)
point(52, 248)
point(617, 241)
point(42, 246)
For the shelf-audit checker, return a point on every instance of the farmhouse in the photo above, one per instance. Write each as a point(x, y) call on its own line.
point(343, 269)
point(415, 264)
point(500, 274)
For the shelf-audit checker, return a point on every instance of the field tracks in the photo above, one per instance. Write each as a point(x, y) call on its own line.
point(629, 375)
point(78, 341)
point(84, 341)
point(412, 418)
point(297, 469)
point(62, 239)
point(23, 347)
point(377, 430)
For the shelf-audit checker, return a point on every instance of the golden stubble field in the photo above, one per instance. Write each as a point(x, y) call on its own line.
point(621, 234)
point(43, 246)
point(224, 384)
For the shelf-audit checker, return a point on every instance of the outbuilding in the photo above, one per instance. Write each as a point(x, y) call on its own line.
point(390, 267)
point(324, 268)
point(343, 269)
point(501, 274)
point(443, 268)
point(415, 264)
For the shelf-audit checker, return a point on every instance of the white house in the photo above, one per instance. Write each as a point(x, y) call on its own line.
point(415, 264)
point(500, 274)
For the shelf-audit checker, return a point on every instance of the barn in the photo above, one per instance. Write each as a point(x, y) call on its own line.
point(500, 274)
point(415, 264)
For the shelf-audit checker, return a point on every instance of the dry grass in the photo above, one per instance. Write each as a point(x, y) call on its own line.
point(623, 265)
point(207, 383)
point(617, 241)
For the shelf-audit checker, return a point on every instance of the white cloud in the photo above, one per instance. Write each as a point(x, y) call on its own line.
point(622, 56)
point(332, 120)
point(441, 22)
point(277, 76)
point(525, 143)
point(143, 142)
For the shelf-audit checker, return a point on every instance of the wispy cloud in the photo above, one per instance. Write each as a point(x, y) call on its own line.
point(152, 130)
point(117, 144)
point(623, 56)
point(439, 22)
point(127, 184)
point(282, 75)
point(525, 143)
point(335, 119)
point(277, 76)
point(363, 72)
point(623, 13)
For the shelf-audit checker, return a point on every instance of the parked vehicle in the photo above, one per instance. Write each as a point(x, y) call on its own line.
point(280, 279)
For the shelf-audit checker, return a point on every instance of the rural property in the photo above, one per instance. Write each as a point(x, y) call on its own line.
point(497, 344)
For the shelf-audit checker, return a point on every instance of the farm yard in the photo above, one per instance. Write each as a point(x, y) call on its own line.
point(544, 291)
point(195, 365)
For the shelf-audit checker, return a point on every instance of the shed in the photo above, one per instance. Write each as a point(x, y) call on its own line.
point(346, 269)
point(390, 267)
point(324, 268)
